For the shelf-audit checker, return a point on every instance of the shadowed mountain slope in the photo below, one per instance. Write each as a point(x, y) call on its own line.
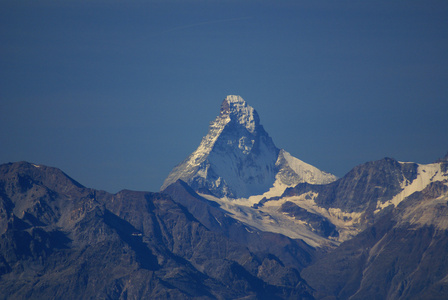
point(62, 240)
point(291, 252)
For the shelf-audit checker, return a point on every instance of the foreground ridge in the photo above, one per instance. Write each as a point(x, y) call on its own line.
point(61, 240)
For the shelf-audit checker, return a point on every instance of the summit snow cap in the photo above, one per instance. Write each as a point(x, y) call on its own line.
point(237, 109)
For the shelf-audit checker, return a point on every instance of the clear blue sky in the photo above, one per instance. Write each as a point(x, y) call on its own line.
point(116, 93)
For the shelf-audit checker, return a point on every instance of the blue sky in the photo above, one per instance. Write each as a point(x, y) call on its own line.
point(116, 93)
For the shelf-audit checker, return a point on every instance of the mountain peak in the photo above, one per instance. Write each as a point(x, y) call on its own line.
point(235, 108)
point(238, 159)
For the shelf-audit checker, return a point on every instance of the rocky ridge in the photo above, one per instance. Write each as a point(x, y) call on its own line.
point(402, 255)
point(357, 200)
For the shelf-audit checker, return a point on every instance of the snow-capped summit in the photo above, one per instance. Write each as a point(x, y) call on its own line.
point(238, 159)
point(234, 107)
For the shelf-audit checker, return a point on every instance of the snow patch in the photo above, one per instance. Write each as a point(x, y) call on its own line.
point(307, 172)
point(270, 220)
point(425, 175)
point(347, 224)
point(218, 221)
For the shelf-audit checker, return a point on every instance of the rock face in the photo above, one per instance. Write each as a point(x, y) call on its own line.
point(238, 159)
point(60, 240)
point(361, 188)
point(401, 256)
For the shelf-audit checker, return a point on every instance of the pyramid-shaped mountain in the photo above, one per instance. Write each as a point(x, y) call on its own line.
point(238, 159)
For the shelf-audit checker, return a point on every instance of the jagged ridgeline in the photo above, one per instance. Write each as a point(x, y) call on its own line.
point(238, 158)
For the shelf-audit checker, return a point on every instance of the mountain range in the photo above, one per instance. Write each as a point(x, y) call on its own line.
point(239, 218)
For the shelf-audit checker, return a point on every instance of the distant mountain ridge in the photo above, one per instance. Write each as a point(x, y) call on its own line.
point(238, 159)
point(357, 200)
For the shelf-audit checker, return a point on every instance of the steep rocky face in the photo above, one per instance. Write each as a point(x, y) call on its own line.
point(363, 186)
point(59, 239)
point(238, 159)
